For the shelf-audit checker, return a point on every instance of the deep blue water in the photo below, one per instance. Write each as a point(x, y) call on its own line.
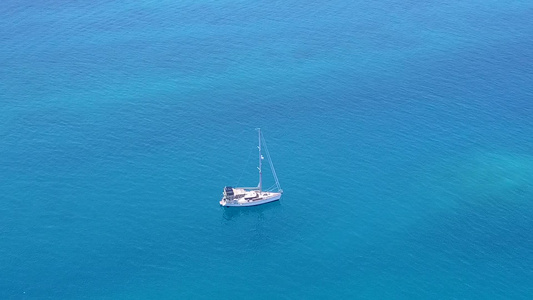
point(401, 131)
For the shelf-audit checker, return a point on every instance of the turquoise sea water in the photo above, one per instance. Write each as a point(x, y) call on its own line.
point(401, 132)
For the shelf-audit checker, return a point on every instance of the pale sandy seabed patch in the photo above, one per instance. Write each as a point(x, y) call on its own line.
point(488, 176)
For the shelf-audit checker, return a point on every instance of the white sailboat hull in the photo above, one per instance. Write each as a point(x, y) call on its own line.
point(265, 197)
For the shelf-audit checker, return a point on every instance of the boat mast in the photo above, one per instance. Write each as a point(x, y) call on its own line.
point(260, 158)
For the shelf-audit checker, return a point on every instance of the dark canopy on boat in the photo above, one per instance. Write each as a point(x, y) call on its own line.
point(228, 190)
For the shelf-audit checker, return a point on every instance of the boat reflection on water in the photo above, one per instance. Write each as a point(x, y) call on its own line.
point(231, 213)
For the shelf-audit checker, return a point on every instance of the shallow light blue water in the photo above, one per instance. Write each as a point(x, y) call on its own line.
point(401, 131)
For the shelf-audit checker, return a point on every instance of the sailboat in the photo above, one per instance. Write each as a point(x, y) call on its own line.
point(250, 196)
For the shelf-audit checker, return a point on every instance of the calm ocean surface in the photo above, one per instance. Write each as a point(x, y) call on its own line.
point(401, 132)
